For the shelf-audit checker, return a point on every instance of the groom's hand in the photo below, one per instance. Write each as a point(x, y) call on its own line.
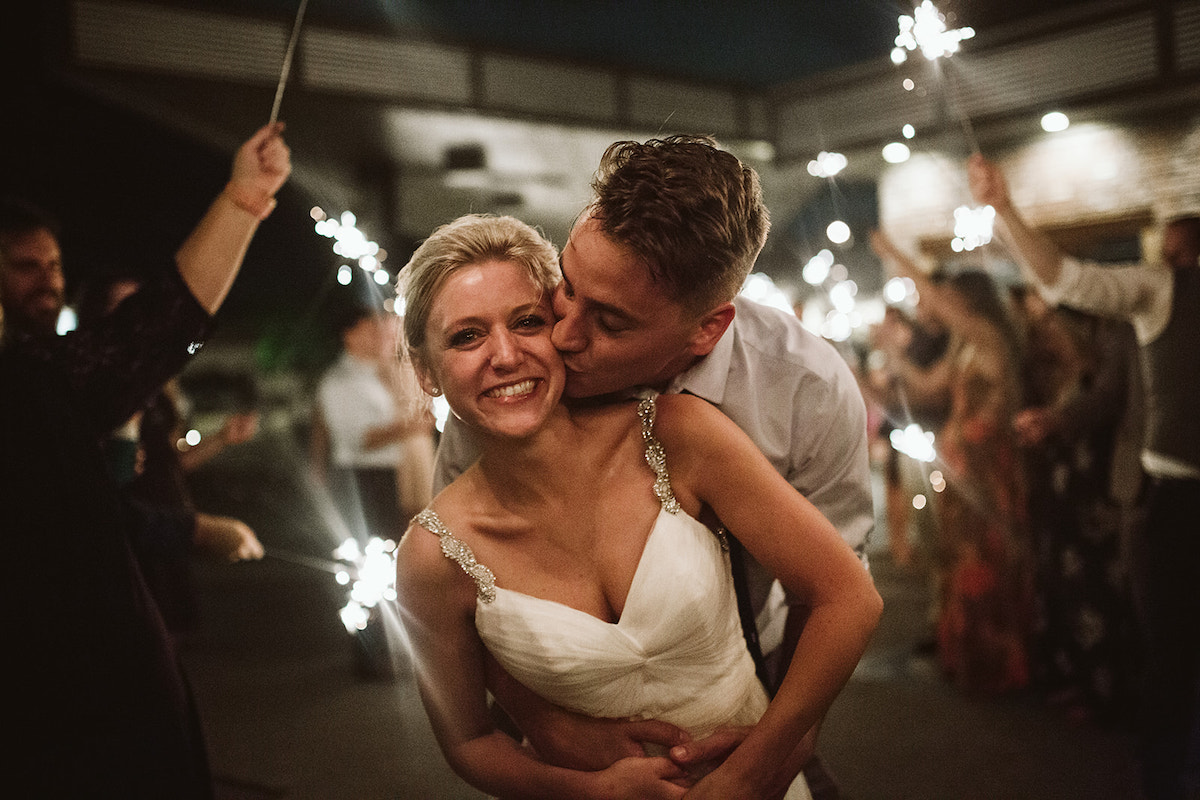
point(703, 756)
point(710, 752)
point(571, 740)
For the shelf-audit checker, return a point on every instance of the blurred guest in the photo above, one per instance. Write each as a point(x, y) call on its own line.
point(1079, 385)
point(153, 476)
point(910, 381)
point(1164, 307)
point(414, 471)
point(365, 424)
point(93, 691)
point(32, 284)
point(986, 611)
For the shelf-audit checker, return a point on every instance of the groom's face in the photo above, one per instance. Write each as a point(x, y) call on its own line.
point(617, 329)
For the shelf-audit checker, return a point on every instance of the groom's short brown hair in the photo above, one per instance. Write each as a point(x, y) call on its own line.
point(692, 213)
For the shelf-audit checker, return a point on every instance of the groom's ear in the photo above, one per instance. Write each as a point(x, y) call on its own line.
point(710, 328)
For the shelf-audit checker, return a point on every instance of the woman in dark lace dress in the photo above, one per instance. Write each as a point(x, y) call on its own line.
point(1078, 384)
point(93, 693)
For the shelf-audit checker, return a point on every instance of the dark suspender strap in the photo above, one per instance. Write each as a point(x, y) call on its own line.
point(737, 563)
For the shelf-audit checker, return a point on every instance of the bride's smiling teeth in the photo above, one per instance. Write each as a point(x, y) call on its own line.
point(511, 390)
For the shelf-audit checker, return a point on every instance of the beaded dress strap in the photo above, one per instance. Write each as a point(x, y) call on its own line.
point(459, 552)
point(656, 457)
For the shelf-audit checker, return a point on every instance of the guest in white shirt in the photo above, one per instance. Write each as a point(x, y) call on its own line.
point(364, 424)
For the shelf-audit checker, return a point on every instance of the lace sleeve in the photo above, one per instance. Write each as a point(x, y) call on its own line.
point(118, 363)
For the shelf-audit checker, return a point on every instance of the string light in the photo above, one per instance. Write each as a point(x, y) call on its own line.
point(761, 289)
point(838, 232)
point(817, 269)
point(837, 326)
point(896, 152)
point(926, 30)
point(899, 290)
point(842, 296)
point(1055, 121)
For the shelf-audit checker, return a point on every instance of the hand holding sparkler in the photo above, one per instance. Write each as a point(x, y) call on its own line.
point(1038, 255)
point(260, 168)
point(211, 256)
point(988, 184)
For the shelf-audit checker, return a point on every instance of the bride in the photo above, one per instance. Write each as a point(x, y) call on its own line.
point(572, 553)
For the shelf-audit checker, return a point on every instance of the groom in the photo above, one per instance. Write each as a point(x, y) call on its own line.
point(651, 273)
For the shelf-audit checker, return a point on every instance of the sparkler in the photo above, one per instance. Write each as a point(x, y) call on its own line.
point(287, 61)
point(972, 227)
point(371, 574)
point(914, 442)
point(926, 30)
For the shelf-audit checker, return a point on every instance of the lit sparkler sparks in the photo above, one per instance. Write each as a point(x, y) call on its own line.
point(972, 227)
point(371, 575)
point(826, 165)
point(914, 442)
point(351, 243)
point(926, 30)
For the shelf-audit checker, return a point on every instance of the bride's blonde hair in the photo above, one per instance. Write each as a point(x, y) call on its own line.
point(469, 240)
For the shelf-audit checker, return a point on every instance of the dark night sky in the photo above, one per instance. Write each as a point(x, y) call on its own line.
point(749, 42)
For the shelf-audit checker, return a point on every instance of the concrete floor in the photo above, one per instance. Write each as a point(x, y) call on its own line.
point(287, 715)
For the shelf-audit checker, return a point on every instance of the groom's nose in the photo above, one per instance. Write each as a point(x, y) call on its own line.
point(568, 334)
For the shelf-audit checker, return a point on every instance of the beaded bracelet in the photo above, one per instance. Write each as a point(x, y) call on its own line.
point(259, 206)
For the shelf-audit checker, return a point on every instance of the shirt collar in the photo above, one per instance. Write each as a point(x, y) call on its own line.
point(708, 377)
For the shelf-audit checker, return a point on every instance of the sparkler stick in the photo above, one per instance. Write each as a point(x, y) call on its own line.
point(287, 60)
point(956, 98)
point(322, 564)
point(926, 31)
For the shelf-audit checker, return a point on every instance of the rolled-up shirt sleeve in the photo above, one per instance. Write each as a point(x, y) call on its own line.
point(1137, 293)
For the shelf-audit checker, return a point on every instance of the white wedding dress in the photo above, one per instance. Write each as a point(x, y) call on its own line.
point(676, 654)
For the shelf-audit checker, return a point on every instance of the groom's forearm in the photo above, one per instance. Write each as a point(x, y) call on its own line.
point(567, 739)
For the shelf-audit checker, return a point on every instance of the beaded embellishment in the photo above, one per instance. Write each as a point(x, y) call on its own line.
point(656, 457)
point(458, 551)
